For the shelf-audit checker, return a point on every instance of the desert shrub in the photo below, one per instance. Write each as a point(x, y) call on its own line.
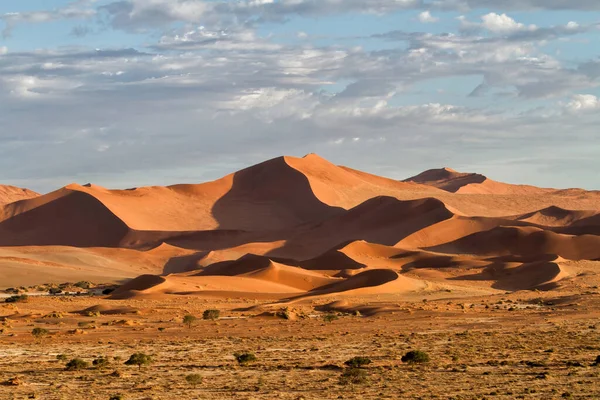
point(39, 333)
point(597, 362)
point(211, 314)
point(61, 357)
point(244, 358)
point(21, 298)
point(76, 364)
point(139, 359)
point(101, 362)
point(358, 362)
point(330, 317)
point(54, 290)
point(284, 313)
point(189, 320)
point(194, 379)
point(415, 357)
point(84, 285)
point(353, 376)
point(117, 396)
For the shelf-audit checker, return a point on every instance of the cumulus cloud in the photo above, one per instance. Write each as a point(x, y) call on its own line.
point(207, 88)
point(502, 23)
point(584, 103)
point(426, 17)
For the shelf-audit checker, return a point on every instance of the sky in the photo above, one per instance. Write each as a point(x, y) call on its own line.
point(126, 93)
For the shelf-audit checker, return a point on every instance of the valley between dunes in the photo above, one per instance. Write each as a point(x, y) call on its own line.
point(292, 229)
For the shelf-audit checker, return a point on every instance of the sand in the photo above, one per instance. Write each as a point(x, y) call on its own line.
point(309, 264)
point(298, 229)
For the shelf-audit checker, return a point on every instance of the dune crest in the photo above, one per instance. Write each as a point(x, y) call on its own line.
point(295, 229)
point(10, 194)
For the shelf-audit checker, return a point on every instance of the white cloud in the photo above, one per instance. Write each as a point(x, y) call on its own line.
point(583, 103)
point(426, 18)
point(3, 50)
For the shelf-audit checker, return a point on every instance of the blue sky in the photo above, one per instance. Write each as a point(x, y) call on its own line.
point(139, 92)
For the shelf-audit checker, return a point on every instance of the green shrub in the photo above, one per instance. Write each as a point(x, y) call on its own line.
point(358, 362)
point(244, 358)
point(39, 333)
point(211, 314)
point(76, 364)
point(194, 379)
point(330, 317)
point(139, 359)
point(84, 285)
point(189, 320)
point(354, 376)
point(415, 356)
point(22, 298)
point(101, 362)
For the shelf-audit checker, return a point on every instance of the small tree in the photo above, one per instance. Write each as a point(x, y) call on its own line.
point(101, 362)
point(358, 362)
point(244, 358)
point(415, 357)
point(39, 333)
point(76, 364)
point(211, 314)
point(194, 379)
point(189, 320)
point(139, 359)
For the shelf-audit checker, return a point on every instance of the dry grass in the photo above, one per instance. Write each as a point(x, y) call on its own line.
point(534, 352)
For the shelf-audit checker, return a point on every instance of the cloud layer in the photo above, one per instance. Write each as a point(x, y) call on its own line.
point(209, 90)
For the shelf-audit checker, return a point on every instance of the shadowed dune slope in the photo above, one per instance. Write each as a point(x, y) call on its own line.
point(74, 219)
point(469, 183)
point(296, 228)
point(555, 216)
point(381, 220)
point(527, 241)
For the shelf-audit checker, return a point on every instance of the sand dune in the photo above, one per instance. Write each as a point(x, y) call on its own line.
point(10, 194)
point(469, 183)
point(555, 216)
point(294, 229)
point(528, 241)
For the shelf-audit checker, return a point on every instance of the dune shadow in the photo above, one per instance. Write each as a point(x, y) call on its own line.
point(270, 196)
point(531, 275)
point(183, 263)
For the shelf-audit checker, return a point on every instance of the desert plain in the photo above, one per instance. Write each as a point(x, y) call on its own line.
point(306, 265)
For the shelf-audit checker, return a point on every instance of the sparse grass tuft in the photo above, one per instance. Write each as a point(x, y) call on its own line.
point(244, 358)
point(194, 379)
point(353, 376)
point(415, 357)
point(76, 364)
point(358, 362)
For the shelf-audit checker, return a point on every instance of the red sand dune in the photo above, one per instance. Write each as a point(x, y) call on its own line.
point(10, 194)
point(468, 183)
point(296, 228)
